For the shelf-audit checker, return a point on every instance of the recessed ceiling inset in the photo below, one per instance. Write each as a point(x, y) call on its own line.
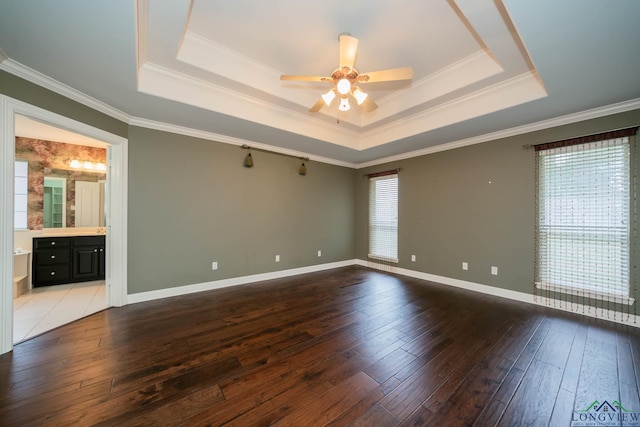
point(467, 62)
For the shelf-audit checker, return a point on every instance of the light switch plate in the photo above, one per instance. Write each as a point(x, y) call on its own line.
point(494, 270)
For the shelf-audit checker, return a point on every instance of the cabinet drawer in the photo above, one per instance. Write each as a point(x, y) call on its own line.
point(51, 242)
point(52, 256)
point(53, 273)
point(88, 241)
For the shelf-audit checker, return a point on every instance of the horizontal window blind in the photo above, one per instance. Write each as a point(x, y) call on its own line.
point(584, 208)
point(383, 217)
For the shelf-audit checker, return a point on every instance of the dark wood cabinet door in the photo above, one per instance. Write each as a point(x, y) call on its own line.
point(85, 262)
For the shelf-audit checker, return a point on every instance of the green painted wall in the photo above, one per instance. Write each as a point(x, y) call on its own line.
point(473, 204)
point(192, 202)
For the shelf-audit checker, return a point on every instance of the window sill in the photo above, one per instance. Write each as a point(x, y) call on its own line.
point(605, 296)
point(383, 258)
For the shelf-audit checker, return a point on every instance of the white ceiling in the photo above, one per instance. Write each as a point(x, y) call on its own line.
point(482, 67)
point(29, 128)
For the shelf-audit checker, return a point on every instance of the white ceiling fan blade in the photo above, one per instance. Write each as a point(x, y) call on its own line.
point(404, 73)
point(317, 106)
point(306, 78)
point(348, 49)
point(368, 104)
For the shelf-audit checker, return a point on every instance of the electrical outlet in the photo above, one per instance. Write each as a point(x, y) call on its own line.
point(494, 270)
point(465, 265)
point(214, 265)
point(413, 258)
point(277, 258)
point(319, 253)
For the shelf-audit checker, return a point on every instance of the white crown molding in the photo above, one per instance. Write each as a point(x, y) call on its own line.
point(42, 80)
point(221, 60)
point(585, 310)
point(499, 96)
point(210, 56)
point(33, 76)
point(167, 83)
point(225, 139)
point(469, 70)
point(141, 32)
point(594, 113)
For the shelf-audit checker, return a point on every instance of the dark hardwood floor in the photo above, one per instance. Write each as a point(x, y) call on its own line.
point(345, 347)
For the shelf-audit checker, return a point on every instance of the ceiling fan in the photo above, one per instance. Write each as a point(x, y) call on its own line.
point(345, 79)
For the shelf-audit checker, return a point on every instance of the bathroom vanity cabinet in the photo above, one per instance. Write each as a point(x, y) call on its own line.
point(68, 259)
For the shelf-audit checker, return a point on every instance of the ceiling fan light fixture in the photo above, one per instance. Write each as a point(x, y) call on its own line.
point(328, 97)
point(345, 77)
point(344, 104)
point(343, 86)
point(359, 95)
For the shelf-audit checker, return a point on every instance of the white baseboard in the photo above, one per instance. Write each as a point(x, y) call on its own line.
point(610, 315)
point(603, 314)
point(234, 281)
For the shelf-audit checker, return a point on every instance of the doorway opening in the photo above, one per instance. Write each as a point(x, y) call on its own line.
point(12, 114)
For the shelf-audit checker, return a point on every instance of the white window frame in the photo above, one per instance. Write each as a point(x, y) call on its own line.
point(21, 194)
point(383, 217)
point(573, 229)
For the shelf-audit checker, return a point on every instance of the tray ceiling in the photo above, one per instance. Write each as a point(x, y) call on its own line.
point(468, 62)
point(483, 68)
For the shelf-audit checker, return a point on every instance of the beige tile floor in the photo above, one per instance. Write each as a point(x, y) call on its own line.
point(45, 308)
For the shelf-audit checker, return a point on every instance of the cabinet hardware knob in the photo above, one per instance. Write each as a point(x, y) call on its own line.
point(53, 243)
point(95, 250)
point(101, 250)
point(53, 273)
point(53, 257)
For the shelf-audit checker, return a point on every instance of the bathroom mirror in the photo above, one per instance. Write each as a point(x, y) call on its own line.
point(66, 183)
point(72, 199)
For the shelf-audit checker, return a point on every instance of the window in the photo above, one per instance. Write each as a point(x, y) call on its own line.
point(21, 172)
point(383, 217)
point(584, 210)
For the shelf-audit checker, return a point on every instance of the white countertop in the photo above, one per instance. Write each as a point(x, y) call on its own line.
point(70, 234)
